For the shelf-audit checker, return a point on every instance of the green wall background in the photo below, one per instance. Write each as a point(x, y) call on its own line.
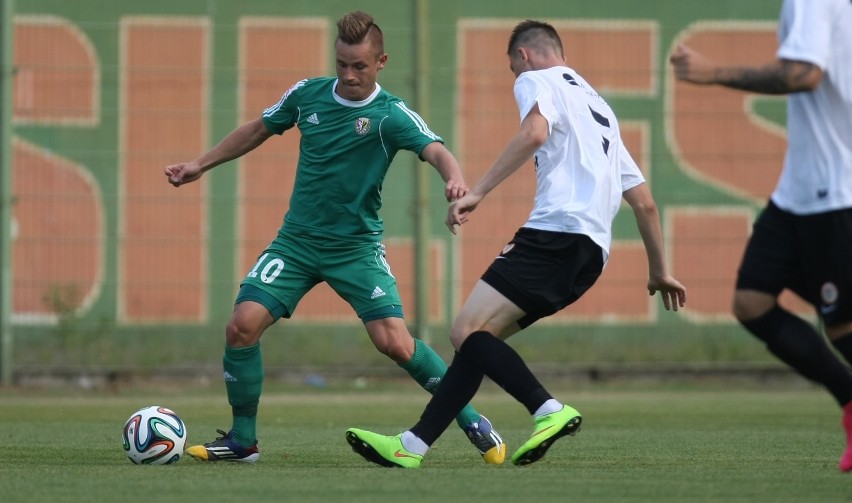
point(94, 338)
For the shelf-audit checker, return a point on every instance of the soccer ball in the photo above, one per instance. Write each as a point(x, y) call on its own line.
point(154, 436)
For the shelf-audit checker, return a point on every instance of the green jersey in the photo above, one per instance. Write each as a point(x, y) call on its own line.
point(344, 153)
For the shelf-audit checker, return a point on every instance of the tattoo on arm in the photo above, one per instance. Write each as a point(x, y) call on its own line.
point(782, 77)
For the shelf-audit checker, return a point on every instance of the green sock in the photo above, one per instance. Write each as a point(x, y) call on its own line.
point(244, 383)
point(427, 368)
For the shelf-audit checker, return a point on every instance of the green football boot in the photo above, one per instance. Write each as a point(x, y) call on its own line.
point(548, 429)
point(382, 449)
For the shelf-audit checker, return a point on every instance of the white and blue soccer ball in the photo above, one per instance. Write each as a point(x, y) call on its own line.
point(154, 435)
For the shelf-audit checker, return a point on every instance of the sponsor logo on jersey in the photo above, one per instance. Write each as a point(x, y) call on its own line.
point(362, 125)
point(313, 119)
point(377, 292)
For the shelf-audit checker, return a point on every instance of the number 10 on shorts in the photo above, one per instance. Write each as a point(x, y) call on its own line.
point(269, 272)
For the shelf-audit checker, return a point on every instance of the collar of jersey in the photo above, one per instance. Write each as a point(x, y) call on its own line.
point(355, 104)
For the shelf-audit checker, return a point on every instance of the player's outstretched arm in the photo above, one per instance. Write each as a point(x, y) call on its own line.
point(238, 142)
point(648, 221)
point(446, 164)
point(781, 76)
point(533, 133)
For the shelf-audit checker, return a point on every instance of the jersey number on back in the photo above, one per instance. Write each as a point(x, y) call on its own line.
point(599, 118)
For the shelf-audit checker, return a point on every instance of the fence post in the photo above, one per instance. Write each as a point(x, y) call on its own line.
point(422, 233)
point(7, 27)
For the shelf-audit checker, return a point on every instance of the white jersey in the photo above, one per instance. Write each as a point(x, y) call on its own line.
point(583, 167)
point(817, 174)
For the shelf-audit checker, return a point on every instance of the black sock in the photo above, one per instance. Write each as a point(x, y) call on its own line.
point(456, 389)
point(800, 346)
point(504, 366)
point(843, 344)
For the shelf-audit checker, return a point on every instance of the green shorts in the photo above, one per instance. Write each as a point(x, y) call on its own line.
point(293, 264)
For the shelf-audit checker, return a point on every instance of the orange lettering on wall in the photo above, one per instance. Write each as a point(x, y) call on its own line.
point(164, 99)
point(58, 247)
point(58, 216)
point(707, 245)
point(718, 139)
point(57, 73)
point(714, 133)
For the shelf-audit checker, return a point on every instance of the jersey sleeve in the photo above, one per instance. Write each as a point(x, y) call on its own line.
point(528, 93)
point(631, 176)
point(285, 114)
point(408, 131)
point(808, 31)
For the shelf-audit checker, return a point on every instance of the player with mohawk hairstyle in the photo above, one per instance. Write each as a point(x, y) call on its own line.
point(351, 129)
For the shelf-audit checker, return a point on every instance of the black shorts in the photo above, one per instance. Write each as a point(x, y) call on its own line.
point(808, 254)
point(542, 272)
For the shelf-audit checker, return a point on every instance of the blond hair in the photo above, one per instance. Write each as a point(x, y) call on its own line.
point(356, 27)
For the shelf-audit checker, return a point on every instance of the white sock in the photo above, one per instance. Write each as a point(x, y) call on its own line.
point(548, 407)
point(413, 444)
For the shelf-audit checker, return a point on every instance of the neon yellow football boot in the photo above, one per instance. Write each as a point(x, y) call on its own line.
point(382, 449)
point(548, 429)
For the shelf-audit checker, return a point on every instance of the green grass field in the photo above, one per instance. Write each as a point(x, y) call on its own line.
point(678, 442)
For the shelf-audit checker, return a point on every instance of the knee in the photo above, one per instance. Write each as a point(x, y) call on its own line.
point(391, 338)
point(748, 306)
point(398, 349)
point(460, 331)
point(394, 342)
point(238, 335)
point(741, 310)
point(457, 337)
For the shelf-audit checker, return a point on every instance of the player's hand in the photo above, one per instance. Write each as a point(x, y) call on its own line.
point(672, 292)
point(460, 209)
point(692, 66)
point(454, 190)
point(185, 172)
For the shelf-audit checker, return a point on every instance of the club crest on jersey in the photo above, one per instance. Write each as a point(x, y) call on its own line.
point(362, 126)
